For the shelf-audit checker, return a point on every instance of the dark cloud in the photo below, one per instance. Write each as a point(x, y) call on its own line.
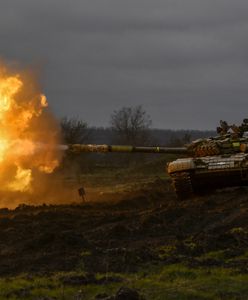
point(186, 62)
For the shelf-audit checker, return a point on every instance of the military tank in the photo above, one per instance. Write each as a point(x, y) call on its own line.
point(214, 162)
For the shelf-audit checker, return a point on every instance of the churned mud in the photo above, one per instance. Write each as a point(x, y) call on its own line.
point(127, 232)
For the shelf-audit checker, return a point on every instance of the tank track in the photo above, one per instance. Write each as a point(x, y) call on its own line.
point(182, 185)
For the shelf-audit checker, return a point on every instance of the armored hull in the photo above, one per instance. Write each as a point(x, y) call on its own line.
point(194, 175)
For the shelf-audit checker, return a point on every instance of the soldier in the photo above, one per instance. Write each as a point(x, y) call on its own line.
point(82, 194)
point(224, 127)
point(243, 127)
point(236, 131)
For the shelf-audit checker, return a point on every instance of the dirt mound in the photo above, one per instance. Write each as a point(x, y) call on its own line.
point(148, 226)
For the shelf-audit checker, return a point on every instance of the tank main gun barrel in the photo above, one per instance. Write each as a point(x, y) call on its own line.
point(78, 148)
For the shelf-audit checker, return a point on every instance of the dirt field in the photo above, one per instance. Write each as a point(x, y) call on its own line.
point(121, 235)
point(146, 227)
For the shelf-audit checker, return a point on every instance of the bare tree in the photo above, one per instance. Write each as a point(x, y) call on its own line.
point(131, 125)
point(74, 130)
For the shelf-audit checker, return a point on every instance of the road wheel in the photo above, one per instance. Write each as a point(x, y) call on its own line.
point(182, 185)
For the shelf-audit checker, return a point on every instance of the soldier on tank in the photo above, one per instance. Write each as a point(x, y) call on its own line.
point(236, 133)
point(223, 128)
point(243, 127)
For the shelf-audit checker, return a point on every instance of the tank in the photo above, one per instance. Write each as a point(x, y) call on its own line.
point(214, 162)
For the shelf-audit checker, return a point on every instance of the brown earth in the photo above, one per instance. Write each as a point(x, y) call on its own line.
point(146, 226)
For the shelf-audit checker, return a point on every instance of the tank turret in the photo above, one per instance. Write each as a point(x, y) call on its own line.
point(213, 162)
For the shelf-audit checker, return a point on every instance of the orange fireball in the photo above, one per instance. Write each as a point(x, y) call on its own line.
point(28, 132)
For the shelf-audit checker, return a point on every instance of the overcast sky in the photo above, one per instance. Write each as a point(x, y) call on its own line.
point(185, 61)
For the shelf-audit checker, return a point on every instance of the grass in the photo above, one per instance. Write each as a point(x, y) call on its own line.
point(139, 171)
point(153, 282)
point(107, 180)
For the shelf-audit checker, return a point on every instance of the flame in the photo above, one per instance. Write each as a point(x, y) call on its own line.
point(25, 125)
point(43, 101)
point(21, 181)
point(8, 88)
point(3, 148)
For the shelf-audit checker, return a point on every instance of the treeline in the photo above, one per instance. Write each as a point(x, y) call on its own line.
point(160, 137)
point(127, 126)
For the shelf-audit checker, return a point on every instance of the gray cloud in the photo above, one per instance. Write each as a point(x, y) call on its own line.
point(186, 62)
